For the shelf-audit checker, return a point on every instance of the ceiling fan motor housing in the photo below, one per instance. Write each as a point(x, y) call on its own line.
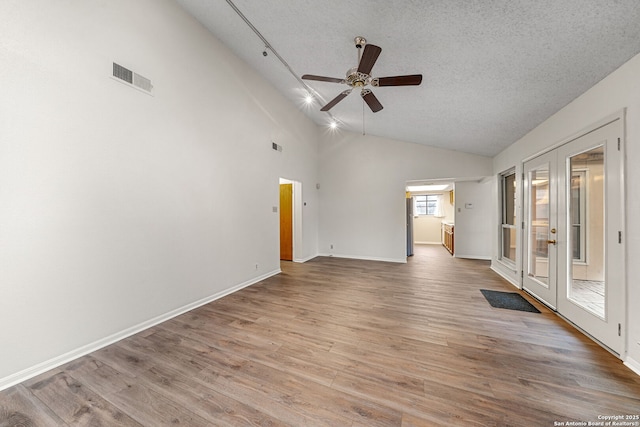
point(356, 78)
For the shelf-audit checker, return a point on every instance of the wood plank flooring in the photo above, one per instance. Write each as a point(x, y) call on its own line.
point(337, 342)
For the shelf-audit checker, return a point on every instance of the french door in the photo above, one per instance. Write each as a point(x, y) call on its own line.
point(540, 237)
point(574, 260)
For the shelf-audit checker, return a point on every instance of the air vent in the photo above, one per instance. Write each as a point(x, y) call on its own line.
point(134, 79)
point(276, 146)
point(122, 73)
point(142, 82)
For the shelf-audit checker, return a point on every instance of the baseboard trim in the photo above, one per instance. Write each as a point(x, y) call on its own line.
point(480, 257)
point(632, 364)
point(303, 260)
point(366, 258)
point(428, 243)
point(505, 277)
point(45, 366)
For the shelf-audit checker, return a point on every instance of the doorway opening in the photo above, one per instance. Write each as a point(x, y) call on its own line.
point(466, 204)
point(430, 214)
point(290, 219)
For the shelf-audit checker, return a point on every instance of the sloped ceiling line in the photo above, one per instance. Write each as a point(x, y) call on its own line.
point(317, 97)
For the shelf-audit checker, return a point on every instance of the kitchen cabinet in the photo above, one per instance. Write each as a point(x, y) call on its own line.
point(447, 236)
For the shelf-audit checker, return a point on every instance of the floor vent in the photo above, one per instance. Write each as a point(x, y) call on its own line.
point(134, 79)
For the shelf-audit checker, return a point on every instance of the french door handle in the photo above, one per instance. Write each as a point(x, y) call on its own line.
point(552, 242)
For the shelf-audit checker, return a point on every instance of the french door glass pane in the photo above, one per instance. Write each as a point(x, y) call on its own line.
point(586, 234)
point(539, 224)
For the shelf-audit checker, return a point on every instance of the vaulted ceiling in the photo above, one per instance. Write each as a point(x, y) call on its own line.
point(492, 70)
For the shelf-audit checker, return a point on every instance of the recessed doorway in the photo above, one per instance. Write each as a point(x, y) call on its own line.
point(290, 219)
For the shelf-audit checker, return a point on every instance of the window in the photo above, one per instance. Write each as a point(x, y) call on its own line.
point(578, 215)
point(425, 204)
point(508, 227)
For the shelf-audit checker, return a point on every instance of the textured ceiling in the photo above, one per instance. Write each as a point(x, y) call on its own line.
point(493, 70)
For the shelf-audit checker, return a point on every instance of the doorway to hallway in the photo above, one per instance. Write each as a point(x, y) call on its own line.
point(290, 219)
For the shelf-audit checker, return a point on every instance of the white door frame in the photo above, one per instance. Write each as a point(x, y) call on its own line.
point(620, 209)
point(296, 216)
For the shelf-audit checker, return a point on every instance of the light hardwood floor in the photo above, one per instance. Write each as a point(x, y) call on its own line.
point(341, 342)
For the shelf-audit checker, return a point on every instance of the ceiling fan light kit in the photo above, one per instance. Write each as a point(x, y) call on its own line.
point(360, 77)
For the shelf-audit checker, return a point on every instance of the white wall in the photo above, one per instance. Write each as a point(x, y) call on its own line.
point(363, 181)
point(621, 89)
point(118, 208)
point(472, 235)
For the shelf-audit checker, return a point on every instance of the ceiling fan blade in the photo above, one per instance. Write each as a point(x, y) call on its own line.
point(335, 100)
point(371, 100)
point(322, 78)
point(369, 57)
point(411, 80)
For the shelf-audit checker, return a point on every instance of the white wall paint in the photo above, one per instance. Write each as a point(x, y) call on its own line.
point(621, 89)
point(363, 181)
point(474, 212)
point(117, 207)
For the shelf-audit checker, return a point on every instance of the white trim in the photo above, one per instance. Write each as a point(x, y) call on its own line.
point(481, 257)
point(303, 260)
point(634, 365)
point(511, 266)
point(631, 363)
point(45, 366)
point(366, 258)
point(505, 277)
point(540, 300)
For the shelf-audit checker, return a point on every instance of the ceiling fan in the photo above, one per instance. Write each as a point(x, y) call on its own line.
point(360, 77)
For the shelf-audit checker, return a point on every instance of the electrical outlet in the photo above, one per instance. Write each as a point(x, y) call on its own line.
point(331, 246)
point(256, 266)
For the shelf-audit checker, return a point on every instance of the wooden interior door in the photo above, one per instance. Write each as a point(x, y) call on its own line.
point(286, 222)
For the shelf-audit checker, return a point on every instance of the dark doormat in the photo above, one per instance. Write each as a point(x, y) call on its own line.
point(508, 300)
